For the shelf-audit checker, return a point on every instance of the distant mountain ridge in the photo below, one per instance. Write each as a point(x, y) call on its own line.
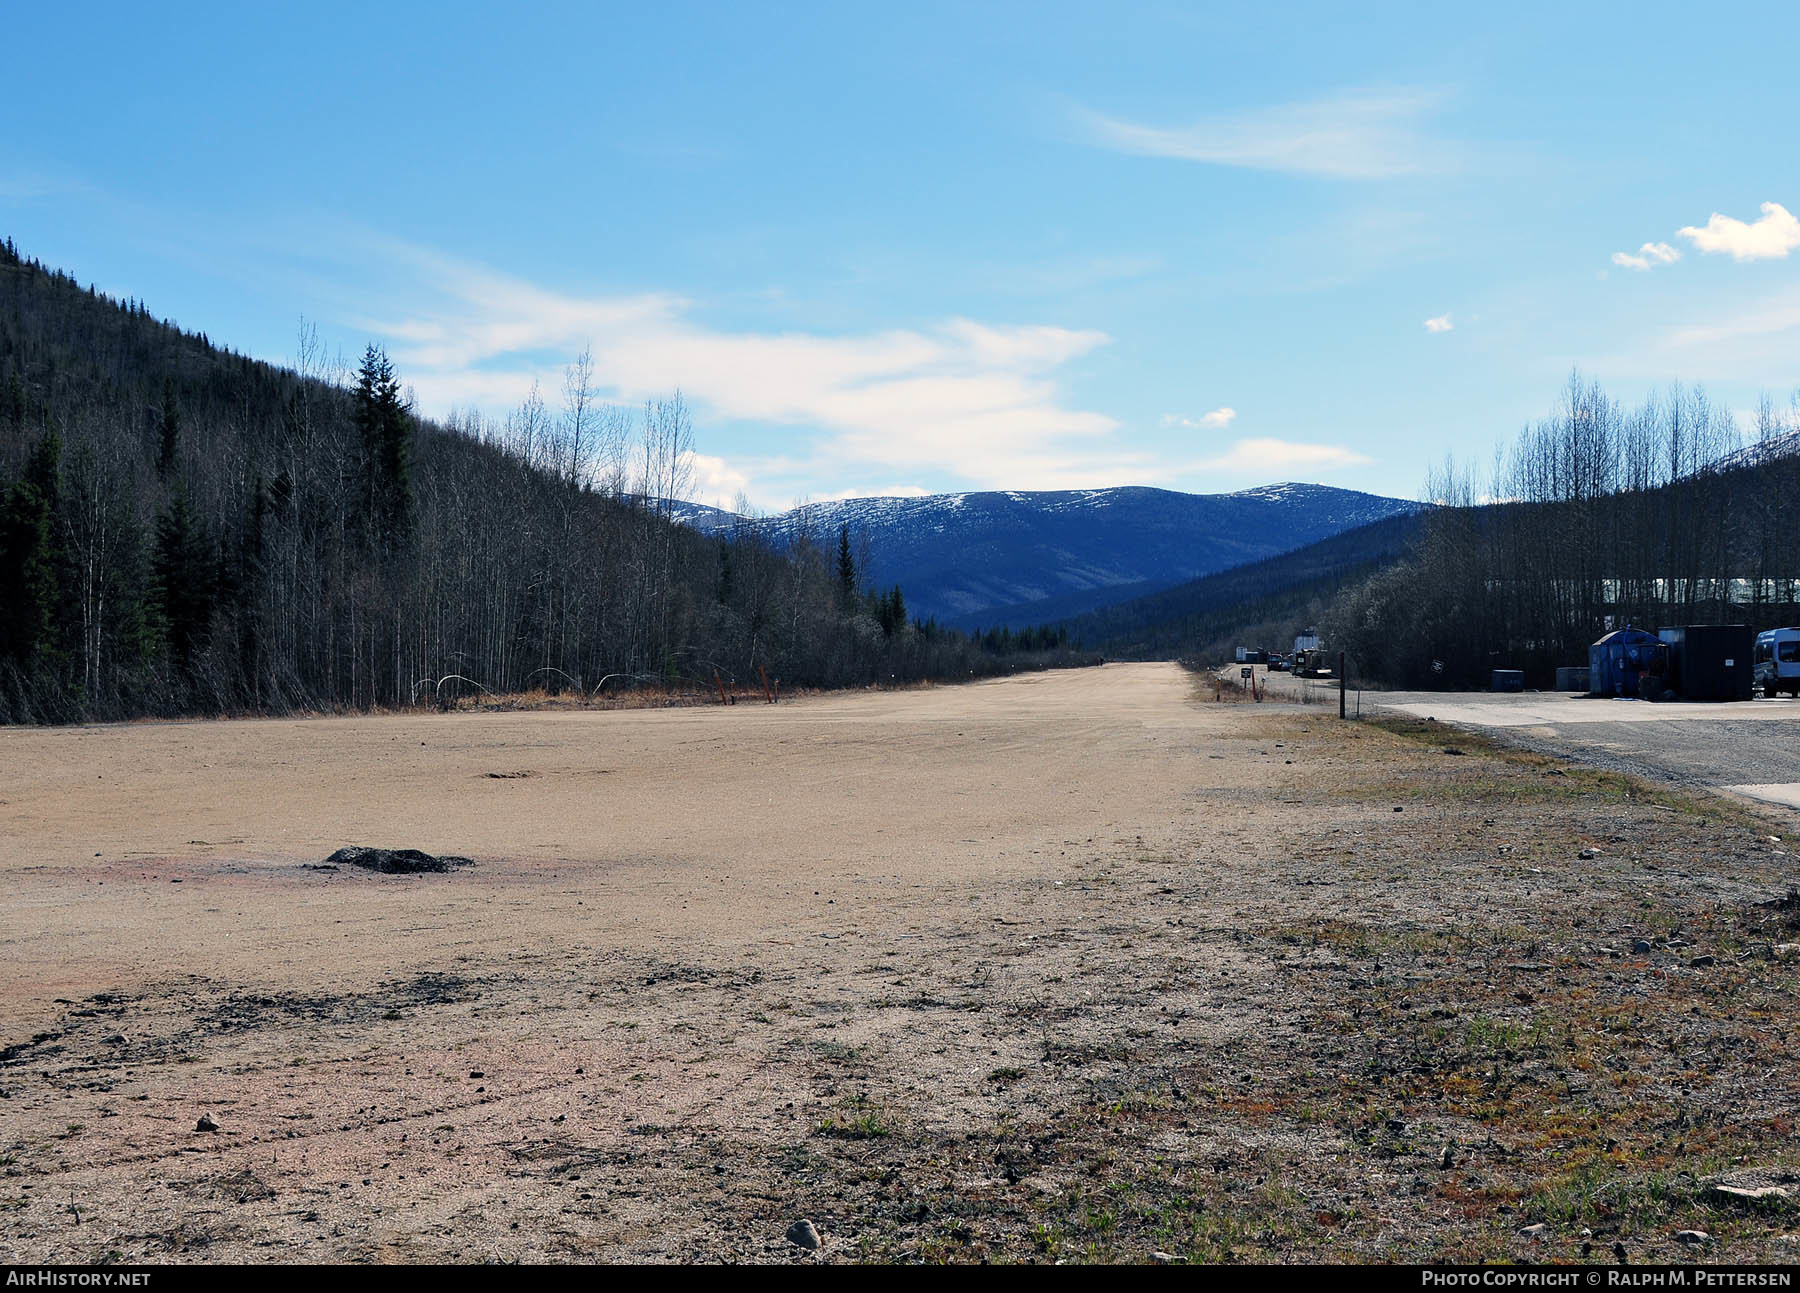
point(1758, 453)
point(1021, 557)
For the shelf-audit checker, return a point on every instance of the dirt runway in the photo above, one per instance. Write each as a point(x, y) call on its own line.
point(1061, 965)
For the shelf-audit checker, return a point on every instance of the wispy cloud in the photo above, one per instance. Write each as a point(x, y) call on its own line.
point(1769, 319)
point(1770, 238)
point(1269, 457)
point(1360, 135)
point(1440, 323)
point(1216, 420)
point(1649, 255)
point(977, 400)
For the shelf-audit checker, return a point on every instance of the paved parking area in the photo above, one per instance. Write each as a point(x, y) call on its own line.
point(1751, 747)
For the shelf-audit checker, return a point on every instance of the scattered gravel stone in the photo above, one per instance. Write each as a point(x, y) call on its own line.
point(1536, 1232)
point(1692, 1237)
point(206, 1123)
point(805, 1234)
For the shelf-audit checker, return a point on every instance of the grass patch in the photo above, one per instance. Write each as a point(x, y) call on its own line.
point(861, 1120)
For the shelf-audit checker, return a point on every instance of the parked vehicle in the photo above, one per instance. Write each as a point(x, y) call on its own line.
point(1312, 664)
point(1777, 659)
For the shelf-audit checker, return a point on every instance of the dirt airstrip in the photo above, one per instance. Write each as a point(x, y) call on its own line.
point(1065, 966)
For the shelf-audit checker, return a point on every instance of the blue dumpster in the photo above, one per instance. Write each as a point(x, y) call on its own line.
point(1618, 662)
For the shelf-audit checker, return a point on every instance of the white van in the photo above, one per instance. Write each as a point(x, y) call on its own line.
point(1778, 662)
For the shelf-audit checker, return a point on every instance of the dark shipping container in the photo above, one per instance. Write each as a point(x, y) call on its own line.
point(1710, 661)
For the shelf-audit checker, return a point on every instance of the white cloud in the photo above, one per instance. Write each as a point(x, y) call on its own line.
point(1651, 253)
point(975, 400)
point(716, 482)
point(1770, 238)
point(1772, 318)
point(1362, 135)
point(1440, 324)
point(1268, 455)
point(1217, 420)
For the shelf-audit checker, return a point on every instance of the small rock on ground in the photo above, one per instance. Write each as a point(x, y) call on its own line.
point(805, 1234)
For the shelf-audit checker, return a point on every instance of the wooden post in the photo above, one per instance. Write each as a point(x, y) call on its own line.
point(721, 685)
point(1343, 686)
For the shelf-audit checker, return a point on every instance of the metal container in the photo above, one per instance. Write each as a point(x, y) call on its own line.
point(1710, 661)
point(1618, 662)
point(1507, 680)
point(1572, 678)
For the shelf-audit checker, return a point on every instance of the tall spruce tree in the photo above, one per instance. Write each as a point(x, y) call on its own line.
point(385, 425)
point(168, 431)
point(186, 579)
point(846, 568)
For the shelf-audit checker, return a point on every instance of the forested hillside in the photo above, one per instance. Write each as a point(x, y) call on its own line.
point(1261, 604)
point(186, 530)
point(1607, 515)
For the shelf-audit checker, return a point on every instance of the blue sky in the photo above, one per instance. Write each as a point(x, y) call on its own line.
point(927, 247)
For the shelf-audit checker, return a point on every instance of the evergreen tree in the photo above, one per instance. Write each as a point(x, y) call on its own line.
point(14, 406)
point(846, 568)
point(386, 429)
point(186, 579)
point(28, 592)
point(725, 573)
point(168, 442)
point(890, 611)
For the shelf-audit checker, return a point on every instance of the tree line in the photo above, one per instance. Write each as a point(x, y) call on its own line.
point(1596, 517)
point(186, 530)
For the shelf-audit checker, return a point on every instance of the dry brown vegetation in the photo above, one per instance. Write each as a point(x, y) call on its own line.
point(1063, 967)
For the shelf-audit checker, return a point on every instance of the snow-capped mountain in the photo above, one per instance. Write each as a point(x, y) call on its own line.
point(1783, 444)
point(1024, 557)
